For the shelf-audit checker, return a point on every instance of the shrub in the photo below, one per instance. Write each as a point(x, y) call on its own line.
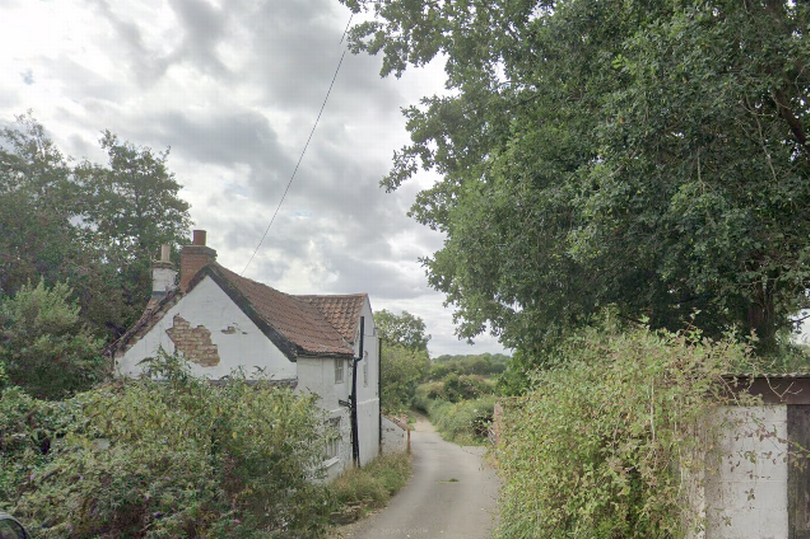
point(600, 447)
point(465, 422)
point(467, 386)
point(426, 393)
point(45, 347)
point(181, 458)
point(401, 369)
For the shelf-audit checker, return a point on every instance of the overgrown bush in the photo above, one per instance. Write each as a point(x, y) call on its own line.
point(465, 387)
point(178, 458)
point(466, 422)
point(28, 427)
point(45, 347)
point(600, 448)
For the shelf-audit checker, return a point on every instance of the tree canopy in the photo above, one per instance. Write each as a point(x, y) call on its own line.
point(647, 155)
point(91, 226)
point(404, 329)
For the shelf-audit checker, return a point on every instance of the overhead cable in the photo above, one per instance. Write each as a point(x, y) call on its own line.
point(303, 152)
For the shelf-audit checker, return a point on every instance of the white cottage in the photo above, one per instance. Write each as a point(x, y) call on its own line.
point(220, 321)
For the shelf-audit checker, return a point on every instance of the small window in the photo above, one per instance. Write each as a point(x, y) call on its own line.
point(333, 438)
point(338, 371)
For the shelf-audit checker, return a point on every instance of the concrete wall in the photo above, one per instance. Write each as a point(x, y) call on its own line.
point(394, 436)
point(745, 492)
point(209, 322)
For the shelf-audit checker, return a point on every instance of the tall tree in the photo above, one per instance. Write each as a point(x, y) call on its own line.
point(649, 155)
point(37, 203)
point(404, 329)
point(93, 227)
point(133, 208)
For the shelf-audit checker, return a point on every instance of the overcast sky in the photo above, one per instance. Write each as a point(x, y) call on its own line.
point(234, 87)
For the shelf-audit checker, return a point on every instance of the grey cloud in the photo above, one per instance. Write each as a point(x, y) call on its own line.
point(80, 83)
point(147, 65)
point(226, 138)
point(297, 49)
point(27, 77)
point(203, 26)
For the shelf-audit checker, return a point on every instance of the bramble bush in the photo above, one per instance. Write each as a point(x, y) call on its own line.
point(600, 447)
point(175, 458)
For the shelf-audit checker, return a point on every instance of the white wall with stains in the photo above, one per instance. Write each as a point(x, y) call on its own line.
point(239, 342)
point(745, 493)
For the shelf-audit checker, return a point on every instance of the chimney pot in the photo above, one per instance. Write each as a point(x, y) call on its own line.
point(163, 274)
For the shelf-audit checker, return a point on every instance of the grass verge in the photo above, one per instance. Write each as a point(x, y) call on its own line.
point(361, 490)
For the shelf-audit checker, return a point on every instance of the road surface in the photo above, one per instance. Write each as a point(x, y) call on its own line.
point(451, 495)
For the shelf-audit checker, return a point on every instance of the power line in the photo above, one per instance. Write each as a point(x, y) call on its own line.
point(304, 151)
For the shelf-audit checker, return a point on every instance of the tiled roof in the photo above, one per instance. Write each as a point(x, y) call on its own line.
point(297, 325)
point(342, 312)
point(298, 321)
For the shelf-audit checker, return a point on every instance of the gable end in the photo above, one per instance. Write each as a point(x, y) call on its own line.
point(288, 348)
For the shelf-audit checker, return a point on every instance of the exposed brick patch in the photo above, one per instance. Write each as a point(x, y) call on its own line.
point(193, 343)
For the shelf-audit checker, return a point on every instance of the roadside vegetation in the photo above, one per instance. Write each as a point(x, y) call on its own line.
point(177, 458)
point(457, 393)
point(361, 490)
point(606, 445)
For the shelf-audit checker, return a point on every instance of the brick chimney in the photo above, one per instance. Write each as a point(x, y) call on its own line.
point(194, 257)
point(163, 274)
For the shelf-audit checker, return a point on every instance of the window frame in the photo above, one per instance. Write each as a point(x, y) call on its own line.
point(332, 438)
point(340, 371)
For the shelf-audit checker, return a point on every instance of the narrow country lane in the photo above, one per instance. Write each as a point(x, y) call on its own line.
point(452, 495)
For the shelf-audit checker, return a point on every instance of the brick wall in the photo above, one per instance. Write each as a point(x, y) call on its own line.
point(193, 343)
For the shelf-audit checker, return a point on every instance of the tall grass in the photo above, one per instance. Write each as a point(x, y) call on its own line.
point(362, 489)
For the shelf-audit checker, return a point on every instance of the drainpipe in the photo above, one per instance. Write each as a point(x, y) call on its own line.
point(353, 399)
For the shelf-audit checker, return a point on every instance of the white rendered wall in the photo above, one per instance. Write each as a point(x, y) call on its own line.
point(317, 376)
point(746, 492)
point(239, 341)
point(368, 398)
